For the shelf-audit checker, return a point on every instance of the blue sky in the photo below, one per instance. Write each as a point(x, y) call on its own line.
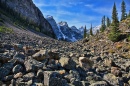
point(79, 12)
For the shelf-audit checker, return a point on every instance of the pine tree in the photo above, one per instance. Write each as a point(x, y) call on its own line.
point(115, 22)
point(123, 10)
point(91, 30)
point(85, 32)
point(103, 27)
point(114, 34)
point(108, 22)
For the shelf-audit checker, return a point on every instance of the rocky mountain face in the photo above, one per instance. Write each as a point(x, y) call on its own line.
point(63, 31)
point(57, 31)
point(27, 10)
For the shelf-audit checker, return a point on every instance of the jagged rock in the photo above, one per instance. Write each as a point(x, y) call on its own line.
point(109, 62)
point(67, 63)
point(19, 56)
point(40, 73)
point(53, 55)
point(29, 83)
point(13, 82)
point(18, 47)
point(32, 64)
point(17, 68)
point(52, 78)
point(5, 57)
point(99, 83)
point(116, 71)
point(3, 72)
point(8, 78)
point(8, 46)
point(85, 63)
point(73, 75)
point(8, 65)
point(28, 50)
point(41, 55)
point(28, 76)
point(18, 75)
point(112, 79)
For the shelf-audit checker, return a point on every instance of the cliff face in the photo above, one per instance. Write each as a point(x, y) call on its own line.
point(28, 10)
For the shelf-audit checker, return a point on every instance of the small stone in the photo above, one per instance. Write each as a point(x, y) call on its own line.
point(18, 75)
point(28, 76)
point(109, 62)
point(8, 78)
point(17, 68)
point(116, 71)
point(99, 83)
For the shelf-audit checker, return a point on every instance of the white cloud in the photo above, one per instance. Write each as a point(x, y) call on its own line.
point(89, 5)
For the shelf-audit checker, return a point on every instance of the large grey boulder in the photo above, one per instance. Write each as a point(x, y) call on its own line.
point(41, 55)
point(112, 79)
point(53, 78)
point(67, 63)
point(85, 63)
point(32, 64)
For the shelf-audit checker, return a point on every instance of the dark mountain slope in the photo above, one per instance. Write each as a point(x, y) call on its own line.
point(27, 14)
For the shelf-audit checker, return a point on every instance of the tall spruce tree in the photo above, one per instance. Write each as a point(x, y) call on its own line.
point(103, 27)
point(108, 22)
point(91, 30)
point(85, 32)
point(123, 10)
point(115, 22)
point(114, 34)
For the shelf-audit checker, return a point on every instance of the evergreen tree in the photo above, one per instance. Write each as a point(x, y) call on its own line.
point(123, 10)
point(103, 27)
point(115, 22)
point(114, 34)
point(128, 14)
point(85, 32)
point(91, 30)
point(108, 22)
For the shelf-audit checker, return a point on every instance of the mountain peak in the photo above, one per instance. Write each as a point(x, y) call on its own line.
point(49, 17)
point(63, 23)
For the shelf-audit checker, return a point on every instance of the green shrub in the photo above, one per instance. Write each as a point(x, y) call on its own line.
point(114, 36)
point(4, 29)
